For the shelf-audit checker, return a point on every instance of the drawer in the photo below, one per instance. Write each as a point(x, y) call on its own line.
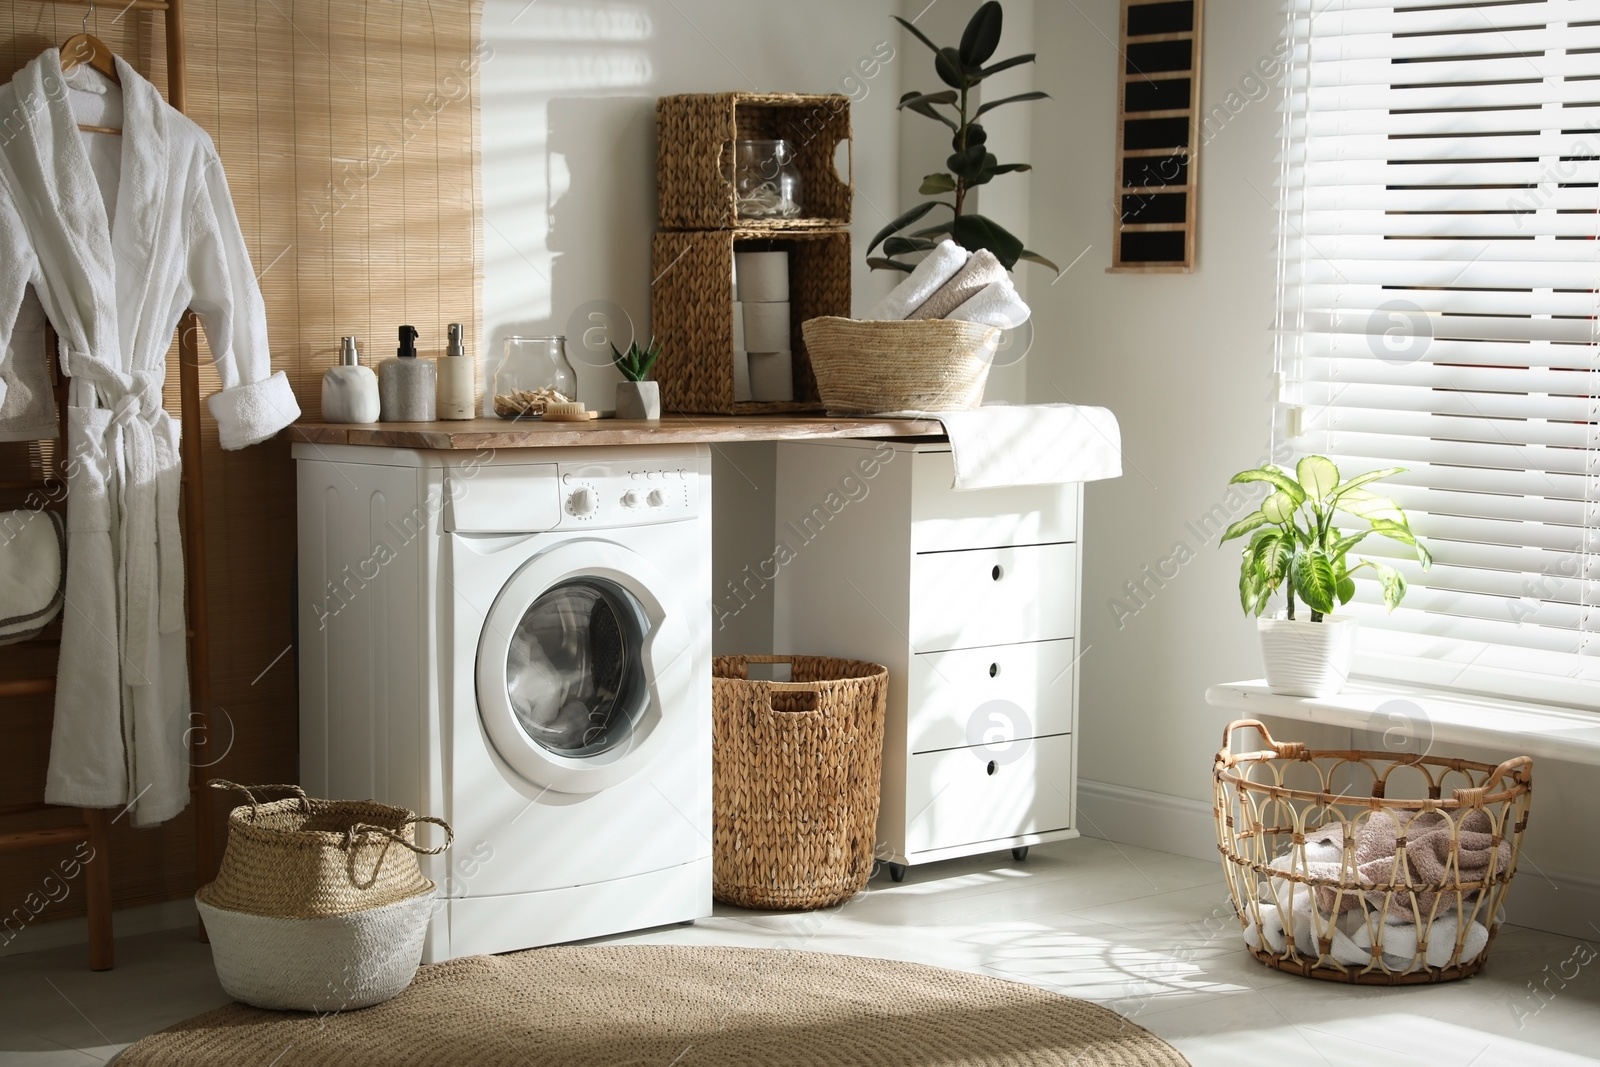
point(984, 695)
point(943, 519)
point(969, 794)
point(993, 596)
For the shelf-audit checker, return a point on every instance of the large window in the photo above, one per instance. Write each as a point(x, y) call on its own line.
point(1440, 304)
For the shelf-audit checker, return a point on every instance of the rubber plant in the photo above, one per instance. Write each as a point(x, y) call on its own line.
point(636, 363)
point(1296, 547)
point(970, 164)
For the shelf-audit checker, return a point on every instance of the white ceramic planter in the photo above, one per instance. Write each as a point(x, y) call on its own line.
point(639, 400)
point(1307, 659)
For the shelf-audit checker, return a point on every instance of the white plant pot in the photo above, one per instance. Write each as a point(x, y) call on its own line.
point(1307, 659)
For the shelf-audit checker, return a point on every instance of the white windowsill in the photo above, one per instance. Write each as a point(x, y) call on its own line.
point(1542, 731)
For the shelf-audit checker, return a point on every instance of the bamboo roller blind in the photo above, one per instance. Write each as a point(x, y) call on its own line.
point(348, 131)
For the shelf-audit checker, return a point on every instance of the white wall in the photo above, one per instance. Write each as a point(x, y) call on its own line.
point(1184, 361)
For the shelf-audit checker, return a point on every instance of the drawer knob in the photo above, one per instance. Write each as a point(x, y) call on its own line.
point(997, 573)
point(994, 669)
point(992, 766)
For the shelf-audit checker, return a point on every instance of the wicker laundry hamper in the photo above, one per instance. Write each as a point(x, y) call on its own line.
point(794, 786)
point(868, 367)
point(319, 905)
point(1377, 868)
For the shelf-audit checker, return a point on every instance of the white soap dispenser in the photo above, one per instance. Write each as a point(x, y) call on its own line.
point(349, 391)
point(457, 397)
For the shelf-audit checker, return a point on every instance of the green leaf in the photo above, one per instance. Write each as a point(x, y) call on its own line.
point(982, 35)
point(1034, 257)
point(1362, 479)
point(879, 263)
point(973, 232)
point(1344, 544)
point(941, 230)
point(968, 163)
point(918, 34)
point(948, 66)
point(1279, 508)
point(899, 246)
point(974, 134)
point(1019, 98)
point(937, 116)
point(1272, 476)
point(1393, 582)
point(1253, 593)
point(986, 170)
point(1274, 554)
point(903, 221)
point(1242, 527)
point(1007, 168)
point(1346, 589)
point(1004, 64)
point(1317, 475)
point(943, 96)
point(1370, 506)
point(1312, 574)
point(934, 184)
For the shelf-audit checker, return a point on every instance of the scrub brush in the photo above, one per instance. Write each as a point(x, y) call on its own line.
point(567, 411)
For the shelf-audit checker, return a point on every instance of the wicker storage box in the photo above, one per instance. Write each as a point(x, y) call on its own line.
point(694, 162)
point(795, 778)
point(319, 905)
point(866, 367)
point(691, 312)
point(1351, 866)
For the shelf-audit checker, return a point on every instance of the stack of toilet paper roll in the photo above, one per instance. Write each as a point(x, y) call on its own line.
point(762, 359)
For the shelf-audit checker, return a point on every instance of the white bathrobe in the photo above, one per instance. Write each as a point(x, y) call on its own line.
point(116, 250)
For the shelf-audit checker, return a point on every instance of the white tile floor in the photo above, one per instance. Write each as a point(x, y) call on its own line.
point(1145, 933)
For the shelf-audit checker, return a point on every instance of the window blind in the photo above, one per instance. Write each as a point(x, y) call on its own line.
point(1439, 295)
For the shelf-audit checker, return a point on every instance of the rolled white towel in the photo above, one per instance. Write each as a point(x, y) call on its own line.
point(938, 267)
point(1399, 943)
point(997, 304)
point(1270, 932)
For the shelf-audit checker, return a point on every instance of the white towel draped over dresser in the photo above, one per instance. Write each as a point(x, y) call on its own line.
point(117, 249)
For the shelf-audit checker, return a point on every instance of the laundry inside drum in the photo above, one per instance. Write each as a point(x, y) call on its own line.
point(575, 672)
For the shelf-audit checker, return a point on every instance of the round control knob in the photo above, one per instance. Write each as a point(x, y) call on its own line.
point(582, 502)
point(656, 499)
point(630, 499)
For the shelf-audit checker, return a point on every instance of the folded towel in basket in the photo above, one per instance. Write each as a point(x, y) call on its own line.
point(938, 267)
point(981, 271)
point(32, 554)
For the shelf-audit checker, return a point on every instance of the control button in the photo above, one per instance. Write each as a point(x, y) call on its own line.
point(656, 499)
point(582, 502)
point(630, 499)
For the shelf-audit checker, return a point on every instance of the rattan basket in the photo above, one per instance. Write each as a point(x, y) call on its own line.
point(1352, 866)
point(319, 905)
point(868, 367)
point(795, 779)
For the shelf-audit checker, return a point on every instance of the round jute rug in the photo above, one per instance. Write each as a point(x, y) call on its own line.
point(661, 1005)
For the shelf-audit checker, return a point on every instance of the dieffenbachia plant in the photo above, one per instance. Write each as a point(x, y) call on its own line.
point(1295, 545)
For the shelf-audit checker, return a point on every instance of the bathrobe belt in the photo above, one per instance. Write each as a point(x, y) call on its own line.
point(142, 439)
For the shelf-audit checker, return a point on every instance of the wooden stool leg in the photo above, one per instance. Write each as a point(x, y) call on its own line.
point(97, 882)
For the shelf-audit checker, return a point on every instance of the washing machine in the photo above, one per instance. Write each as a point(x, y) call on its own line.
point(518, 641)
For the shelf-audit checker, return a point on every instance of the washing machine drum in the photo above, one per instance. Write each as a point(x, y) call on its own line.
point(574, 672)
point(584, 673)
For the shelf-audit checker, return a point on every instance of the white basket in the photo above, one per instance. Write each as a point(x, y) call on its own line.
point(329, 963)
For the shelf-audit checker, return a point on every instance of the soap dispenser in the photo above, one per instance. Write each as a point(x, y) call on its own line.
point(349, 391)
point(457, 397)
point(406, 384)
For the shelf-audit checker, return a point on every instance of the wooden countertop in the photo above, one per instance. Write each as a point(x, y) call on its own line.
point(675, 429)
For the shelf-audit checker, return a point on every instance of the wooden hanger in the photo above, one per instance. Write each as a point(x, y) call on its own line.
point(85, 48)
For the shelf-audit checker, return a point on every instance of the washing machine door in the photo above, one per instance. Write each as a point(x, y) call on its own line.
point(583, 668)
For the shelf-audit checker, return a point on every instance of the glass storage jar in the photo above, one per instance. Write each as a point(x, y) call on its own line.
point(766, 180)
point(532, 372)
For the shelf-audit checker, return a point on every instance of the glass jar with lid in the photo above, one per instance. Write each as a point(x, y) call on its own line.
point(533, 371)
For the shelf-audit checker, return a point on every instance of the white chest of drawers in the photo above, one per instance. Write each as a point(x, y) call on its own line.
point(971, 600)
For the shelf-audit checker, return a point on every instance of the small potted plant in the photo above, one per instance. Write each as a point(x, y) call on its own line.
point(1295, 547)
point(637, 396)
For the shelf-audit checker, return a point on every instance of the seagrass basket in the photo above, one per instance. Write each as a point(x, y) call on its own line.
point(873, 367)
point(1376, 868)
point(795, 779)
point(319, 905)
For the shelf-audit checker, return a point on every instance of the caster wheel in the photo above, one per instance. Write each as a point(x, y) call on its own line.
point(897, 872)
point(1020, 854)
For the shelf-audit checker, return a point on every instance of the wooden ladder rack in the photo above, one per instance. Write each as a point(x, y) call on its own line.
point(96, 825)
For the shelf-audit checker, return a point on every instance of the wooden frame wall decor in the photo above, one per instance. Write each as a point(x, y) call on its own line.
point(1154, 203)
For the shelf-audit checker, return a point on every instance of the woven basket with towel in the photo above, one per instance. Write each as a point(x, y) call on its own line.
point(320, 905)
point(1376, 868)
